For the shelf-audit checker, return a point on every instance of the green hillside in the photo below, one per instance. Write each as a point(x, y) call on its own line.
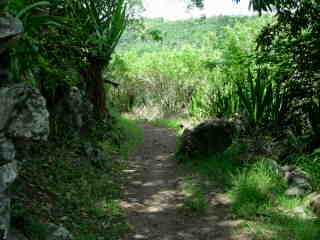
point(193, 32)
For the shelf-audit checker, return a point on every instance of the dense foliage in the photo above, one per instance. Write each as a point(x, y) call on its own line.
point(291, 48)
point(266, 71)
point(193, 68)
point(67, 43)
point(262, 72)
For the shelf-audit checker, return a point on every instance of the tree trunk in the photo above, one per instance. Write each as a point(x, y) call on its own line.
point(93, 75)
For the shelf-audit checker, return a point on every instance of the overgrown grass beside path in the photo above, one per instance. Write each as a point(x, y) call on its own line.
point(65, 187)
point(257, 196)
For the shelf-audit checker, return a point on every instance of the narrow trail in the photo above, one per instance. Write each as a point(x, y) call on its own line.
point(154, 193)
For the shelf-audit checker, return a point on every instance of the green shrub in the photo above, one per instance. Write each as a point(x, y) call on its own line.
point(254, 188)
point(217, 168)
point(311, 164)
point(258, 98)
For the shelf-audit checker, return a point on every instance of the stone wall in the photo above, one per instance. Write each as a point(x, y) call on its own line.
point(23, 118)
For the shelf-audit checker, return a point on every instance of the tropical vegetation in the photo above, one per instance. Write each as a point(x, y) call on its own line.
point(262, 71)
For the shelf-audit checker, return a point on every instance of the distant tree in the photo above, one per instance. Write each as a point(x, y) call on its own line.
point(256, 5)
point(292, 47)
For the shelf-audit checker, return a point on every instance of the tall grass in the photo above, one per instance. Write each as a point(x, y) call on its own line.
point(257, 197)
point(254, 189)
point(189, 71)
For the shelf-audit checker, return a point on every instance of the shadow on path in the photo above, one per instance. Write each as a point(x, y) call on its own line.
point(153, 195)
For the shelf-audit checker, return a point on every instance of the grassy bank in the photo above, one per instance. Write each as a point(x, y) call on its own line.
point(64, 186)
point(257, 196)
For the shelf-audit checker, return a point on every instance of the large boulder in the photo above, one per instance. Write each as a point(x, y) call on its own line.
point(210, 137)
point(9, 26)
point(23, 113)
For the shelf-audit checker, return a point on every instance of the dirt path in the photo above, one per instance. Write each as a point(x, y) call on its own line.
point(154, 192)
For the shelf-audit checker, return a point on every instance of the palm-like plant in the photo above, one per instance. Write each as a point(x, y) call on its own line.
point(34, 16)
point(256, 96)
point(68, 34)
point(97, 27)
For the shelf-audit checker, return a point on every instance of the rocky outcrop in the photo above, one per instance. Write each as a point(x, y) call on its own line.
point(26, 115)
point(298, 181)
point(23, 117)
point(74, 113)
point(210, 137)
point(80, 108)
point(10, 27)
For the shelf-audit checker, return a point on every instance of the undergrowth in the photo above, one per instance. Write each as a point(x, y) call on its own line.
point(256, 191)
point(61, 185)
point(311, 165)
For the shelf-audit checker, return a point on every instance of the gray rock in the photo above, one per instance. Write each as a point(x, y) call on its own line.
point(23, 113)
point(298, 181)
point(94, 154)
point(296, 191)
point(315, 203)
point(8, 173)
point(210, 137)
point(9, 28)
point(7, 150)
point(287, 168)
point(74, 113)
point(8, 102)
point(297, 177)
point(4, 216)
point(75, 104)
point(58, 233)
point(300, 211)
